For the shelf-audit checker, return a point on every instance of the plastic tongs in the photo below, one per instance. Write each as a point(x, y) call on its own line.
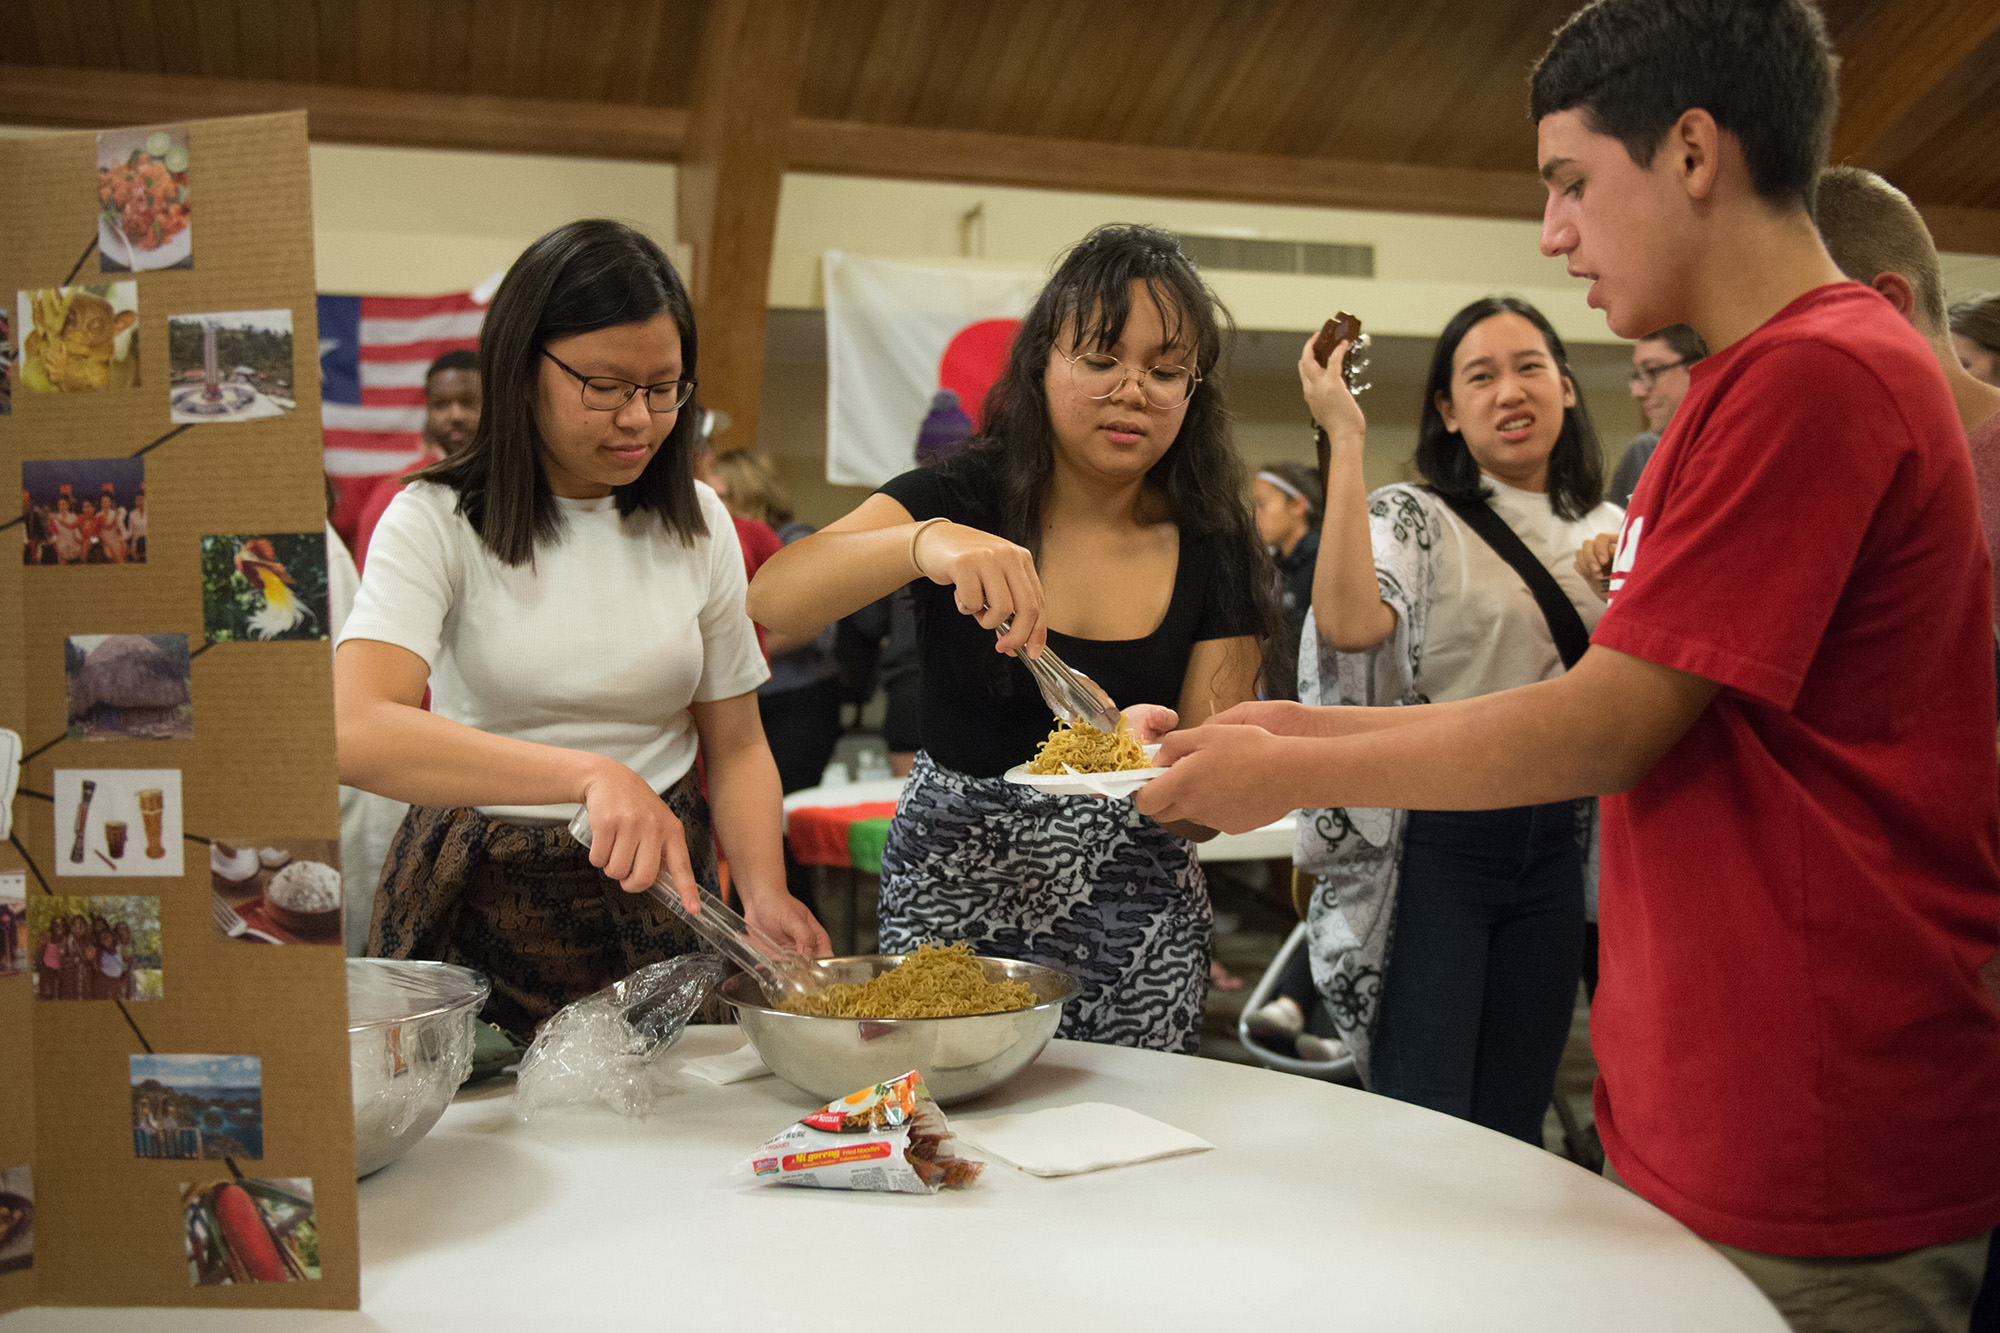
point(783, 973)
point(1070, 695)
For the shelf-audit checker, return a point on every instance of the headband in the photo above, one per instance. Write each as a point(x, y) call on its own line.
point(1283, 485)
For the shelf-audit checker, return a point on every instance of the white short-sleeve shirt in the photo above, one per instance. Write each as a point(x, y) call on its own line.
point(599, 644)
point(1487, 632)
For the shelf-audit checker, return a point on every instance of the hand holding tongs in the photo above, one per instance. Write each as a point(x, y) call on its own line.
point(1070, 695)
point(783, 973)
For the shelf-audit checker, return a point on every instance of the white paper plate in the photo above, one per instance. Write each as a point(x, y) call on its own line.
point(1122, 783)
point(112, 242)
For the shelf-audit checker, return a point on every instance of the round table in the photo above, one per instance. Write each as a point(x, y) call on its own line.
point(1320, 1206)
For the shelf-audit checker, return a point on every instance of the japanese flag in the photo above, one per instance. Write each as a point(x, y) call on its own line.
point(896, 334)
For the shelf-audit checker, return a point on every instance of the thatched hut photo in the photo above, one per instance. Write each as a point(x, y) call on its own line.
point(128, 687)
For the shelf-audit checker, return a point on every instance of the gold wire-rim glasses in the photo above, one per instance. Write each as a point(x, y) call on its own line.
point(1147, 384)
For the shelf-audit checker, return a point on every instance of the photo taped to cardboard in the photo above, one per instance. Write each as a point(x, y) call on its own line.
point(83, 511)
point(96, 947)
point(129, 687)
point(144, 208)
point(119, 823)
point(260, 588)
point(82, 339)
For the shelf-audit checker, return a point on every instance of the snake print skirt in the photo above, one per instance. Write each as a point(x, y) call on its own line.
point(1087, 885)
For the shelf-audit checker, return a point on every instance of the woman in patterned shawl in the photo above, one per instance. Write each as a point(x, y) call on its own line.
point(1469, 1011)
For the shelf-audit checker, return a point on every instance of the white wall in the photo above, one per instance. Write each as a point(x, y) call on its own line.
point(412, 222)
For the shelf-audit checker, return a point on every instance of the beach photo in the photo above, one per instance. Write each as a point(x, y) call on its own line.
point(128, 687)
point(17, 1218)
point(144, 214)
point(13, 922)
point(264, 588)
point(118, 822)
point(276, 890)
point(83, 511)
point(197, 1106)
point(247, 1230)
point(78, 339)
point(95, 948)
point(232, 366)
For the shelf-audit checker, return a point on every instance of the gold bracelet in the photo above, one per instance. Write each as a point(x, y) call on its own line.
point(929, 522)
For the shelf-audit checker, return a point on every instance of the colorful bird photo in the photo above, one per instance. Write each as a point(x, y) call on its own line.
point(262, 588)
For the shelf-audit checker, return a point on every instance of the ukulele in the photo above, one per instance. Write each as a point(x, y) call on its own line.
point(1347, 328)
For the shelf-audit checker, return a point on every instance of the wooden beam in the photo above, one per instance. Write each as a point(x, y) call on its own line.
point(1893, 58)
point(89, 98)
point(732, 170)
point(1972, 231)
point(857, 149)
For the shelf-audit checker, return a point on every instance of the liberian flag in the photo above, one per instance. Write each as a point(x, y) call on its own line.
point(373, 351)
point(895, 335)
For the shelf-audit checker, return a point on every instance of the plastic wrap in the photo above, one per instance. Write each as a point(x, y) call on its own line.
point(409, 1046)
point(603, 1048)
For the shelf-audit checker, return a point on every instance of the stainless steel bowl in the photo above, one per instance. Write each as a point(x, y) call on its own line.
point(409, 1043)
point(958, 1057)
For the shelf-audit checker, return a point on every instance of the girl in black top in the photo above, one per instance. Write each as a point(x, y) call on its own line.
point(1102, 514)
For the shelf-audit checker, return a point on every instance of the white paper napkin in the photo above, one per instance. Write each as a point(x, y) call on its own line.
point(1069, 1140)
point(729, 1067)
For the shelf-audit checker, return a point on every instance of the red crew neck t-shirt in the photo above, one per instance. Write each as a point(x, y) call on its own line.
point(1797, 1055)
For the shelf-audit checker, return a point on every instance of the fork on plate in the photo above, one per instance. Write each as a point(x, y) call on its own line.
point(235, 927)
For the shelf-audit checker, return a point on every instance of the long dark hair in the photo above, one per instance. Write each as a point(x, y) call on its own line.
point(583, 276)
point(1200, 479)
point(1576, 464)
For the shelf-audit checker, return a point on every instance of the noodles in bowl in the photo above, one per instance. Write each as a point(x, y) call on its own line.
point(831, 1050)
point(937, 981)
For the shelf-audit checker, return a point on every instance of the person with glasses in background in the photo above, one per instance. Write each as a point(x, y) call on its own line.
point(1100, 515)
point(573, 598)
point(1660, 365)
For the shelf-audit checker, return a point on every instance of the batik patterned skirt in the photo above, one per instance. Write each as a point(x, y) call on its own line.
point(1084, 884)
point(522, 904)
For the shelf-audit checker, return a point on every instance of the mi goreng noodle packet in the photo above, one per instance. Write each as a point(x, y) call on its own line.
point(888, 1137)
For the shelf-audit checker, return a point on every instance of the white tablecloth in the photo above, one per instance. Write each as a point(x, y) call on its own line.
point(1320, 1207)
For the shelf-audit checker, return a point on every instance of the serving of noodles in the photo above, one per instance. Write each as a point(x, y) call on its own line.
point(937, 981)
point(1088, 750)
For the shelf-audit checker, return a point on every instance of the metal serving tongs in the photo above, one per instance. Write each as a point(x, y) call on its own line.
point(1070, 695)
point(783, 973)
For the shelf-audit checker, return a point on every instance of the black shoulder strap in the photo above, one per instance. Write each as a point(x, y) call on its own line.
point(1565, 625)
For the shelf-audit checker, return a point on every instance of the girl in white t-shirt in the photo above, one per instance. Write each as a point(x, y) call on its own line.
point(1448, 943)
point(573, 601)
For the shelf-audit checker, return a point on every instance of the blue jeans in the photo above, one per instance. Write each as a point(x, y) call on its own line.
point(1483, 965)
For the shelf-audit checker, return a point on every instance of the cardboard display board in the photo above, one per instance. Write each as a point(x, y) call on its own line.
point(175, 1123)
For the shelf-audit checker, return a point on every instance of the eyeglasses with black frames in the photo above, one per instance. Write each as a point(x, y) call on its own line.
point(604, 393)
point(1644, 377)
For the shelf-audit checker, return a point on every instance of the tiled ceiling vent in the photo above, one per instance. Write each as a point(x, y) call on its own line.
point(1254, 254)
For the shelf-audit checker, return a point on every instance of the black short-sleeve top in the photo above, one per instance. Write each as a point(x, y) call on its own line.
point(979, 712)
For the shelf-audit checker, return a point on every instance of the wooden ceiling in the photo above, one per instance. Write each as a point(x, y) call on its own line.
point(1414, 105)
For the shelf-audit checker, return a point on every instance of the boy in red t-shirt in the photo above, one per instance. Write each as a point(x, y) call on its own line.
point(1789, 704)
